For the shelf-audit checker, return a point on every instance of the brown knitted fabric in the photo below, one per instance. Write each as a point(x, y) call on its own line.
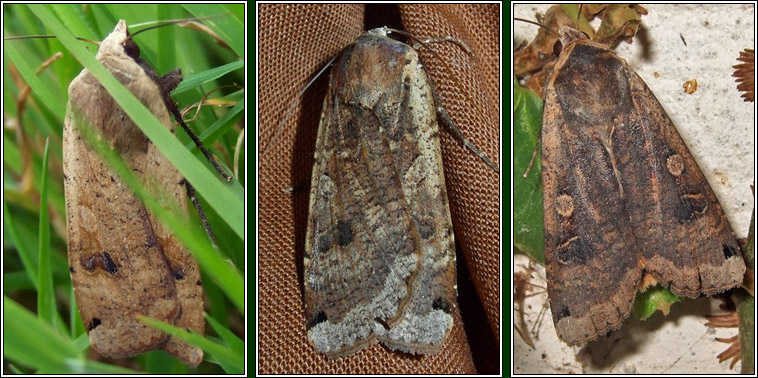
point(295, 42)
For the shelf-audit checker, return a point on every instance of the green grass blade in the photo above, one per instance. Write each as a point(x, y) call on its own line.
point(45, 296)
point(233, 362)
point(234, 342)
point(26, 254)
point(94, 367)
point(220, 127)
point(195, 81)
point(166, 42)
point(27, 72)
point(32, 342)
point(76, 325)
point(229, 28)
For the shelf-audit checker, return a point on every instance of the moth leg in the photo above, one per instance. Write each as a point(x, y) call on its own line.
point(463, 139)
point(178, 116)
point(534, 156)
point(447, 38)
point(199, 208)
point(205, 152)
point(441, 111)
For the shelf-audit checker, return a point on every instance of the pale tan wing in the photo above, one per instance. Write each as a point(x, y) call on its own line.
point(116, 264)
point(164, 183)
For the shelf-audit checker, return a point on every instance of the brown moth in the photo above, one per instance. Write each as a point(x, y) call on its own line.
point(379, 250)
point(622, 196)
point(123, 261)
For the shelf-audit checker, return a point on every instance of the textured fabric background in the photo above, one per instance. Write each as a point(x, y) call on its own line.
point(295, 42)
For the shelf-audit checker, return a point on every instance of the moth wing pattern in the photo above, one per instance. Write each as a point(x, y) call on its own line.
point(116, 246)
point(379, 253)
point(622, 196)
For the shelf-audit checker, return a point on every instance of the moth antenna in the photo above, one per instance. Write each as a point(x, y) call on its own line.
point(293, 104)
point(160, 24)
point(535, 23)
point(173, 22)
point(426, 42)
point(46, 36)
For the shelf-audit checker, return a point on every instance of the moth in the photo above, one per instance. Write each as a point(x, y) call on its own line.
point(622, 196)
point(379, 252)
point(122, 260)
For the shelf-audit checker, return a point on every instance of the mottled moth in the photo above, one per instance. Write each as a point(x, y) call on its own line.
point(123, 262)
point(622, 195)
point(379, 250)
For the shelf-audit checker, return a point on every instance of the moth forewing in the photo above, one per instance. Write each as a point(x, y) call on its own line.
point(379, 250)
point(123, 261)
point(228, 206)
point(622, 196)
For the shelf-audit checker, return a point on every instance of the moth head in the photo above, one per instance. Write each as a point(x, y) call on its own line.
point(566, 36)
point(130, 48)
point(114, 43)
point(121, 34)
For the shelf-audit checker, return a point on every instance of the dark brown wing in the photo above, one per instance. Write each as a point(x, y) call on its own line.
point(621, 194)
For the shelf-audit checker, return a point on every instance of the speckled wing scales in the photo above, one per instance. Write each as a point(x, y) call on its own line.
point(622, 196)
point(380, 255)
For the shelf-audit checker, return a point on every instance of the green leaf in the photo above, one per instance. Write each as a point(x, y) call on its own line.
point(654, 298)
point(527, 191)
